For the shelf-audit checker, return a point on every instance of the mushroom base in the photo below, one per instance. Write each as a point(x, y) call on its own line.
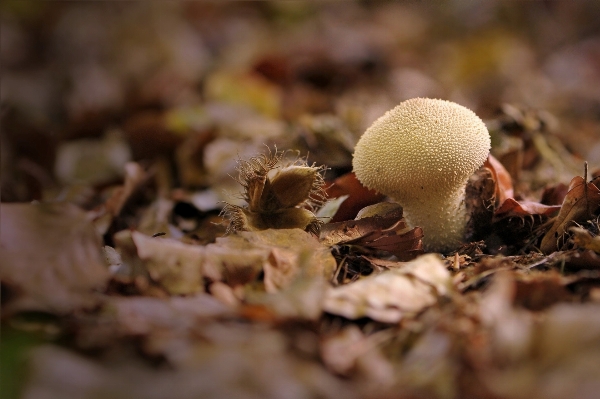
point(443, 222)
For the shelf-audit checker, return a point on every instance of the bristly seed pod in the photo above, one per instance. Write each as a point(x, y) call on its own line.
point(279, 195)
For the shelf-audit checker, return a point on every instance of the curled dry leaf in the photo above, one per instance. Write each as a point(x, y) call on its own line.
point(393, 294)
point(181, 268)
point(511, 208)
point(292, 253)
point(239, 259)
point(104, 215)
point(581, 202)
point(358, 196)
point(52, 259)
point(504, 187)
point(174, 265)
point(388, 233)
point(507, 208)
point(588, 254)
point(135, 176)
point(330, 208)
point(518, 223)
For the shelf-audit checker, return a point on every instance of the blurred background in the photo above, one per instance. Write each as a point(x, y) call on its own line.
point(88, 86)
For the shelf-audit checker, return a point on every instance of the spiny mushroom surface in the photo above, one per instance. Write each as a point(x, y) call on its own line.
point(421, 154)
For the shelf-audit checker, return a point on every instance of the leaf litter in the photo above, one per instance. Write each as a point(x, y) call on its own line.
point(135, 269)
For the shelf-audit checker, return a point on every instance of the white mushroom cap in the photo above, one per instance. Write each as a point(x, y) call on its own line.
point(421, 153)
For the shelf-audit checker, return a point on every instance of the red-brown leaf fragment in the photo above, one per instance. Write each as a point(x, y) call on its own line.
point(358, 196)
point(513, 208)
point(580, 203)
point(504, 187)
point(389, 233)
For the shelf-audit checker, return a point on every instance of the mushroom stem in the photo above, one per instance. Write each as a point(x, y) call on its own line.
point(443, 221)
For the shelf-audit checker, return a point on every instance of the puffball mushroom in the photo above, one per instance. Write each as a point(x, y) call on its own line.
point(421, 154)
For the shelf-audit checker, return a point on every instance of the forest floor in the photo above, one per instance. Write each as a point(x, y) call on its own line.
point(180, 219)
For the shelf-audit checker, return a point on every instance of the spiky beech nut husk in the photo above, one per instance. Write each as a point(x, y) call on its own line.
point(277, 195)
point(421, 154)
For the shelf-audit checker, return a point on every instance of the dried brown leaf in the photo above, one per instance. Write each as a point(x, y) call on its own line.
point(105, 214)
point(233, 260)
point(358, 196)
point(330, 208)
point(135, 176)
point(504, 187)
point(292, 252)
point(388, 233)
point(511, 208)
point(398, 239)
point(393, 294)
point(52, 258)
point(176, 266)
point(580, 203)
